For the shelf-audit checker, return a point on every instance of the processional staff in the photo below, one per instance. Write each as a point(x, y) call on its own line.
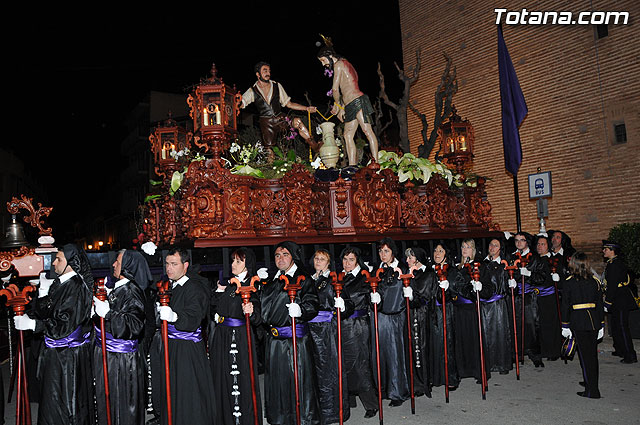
point(164, 296)
point(336, 281)
point(245, 294)
point(292, 289)
point(100, 292)
point(441, 271)
point(374, 281)
point(17, 300)
point(474, 272)
point(406, 281)
point(524, 260)
point(511, 270)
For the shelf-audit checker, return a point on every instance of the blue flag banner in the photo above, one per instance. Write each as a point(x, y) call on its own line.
point(514, 108)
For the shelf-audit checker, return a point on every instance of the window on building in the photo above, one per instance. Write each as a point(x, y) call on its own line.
point(602, 30)
point(619, 133)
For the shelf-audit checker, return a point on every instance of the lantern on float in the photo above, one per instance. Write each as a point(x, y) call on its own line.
point(167, 141)
point(456, 141)
point(214, 109)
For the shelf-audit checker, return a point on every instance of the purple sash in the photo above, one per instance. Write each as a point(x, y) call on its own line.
point(116, 345)
point(285, 331)
point(323, 316)
point(75, 339)
point(527, 288)
point(494, 298)
point(462, 300)
point(195, 336)
point(231, 322)
point(545, 291)
point(358, 313)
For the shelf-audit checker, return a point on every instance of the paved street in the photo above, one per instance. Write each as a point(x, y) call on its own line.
point(542, 396)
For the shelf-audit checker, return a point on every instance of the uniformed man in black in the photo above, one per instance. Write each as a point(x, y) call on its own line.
point(619, 301)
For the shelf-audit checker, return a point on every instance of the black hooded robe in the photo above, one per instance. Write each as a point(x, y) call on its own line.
point(189, 370)
point(325, 350)
point(392, 331)
point(64, 368)
point(279, 384)
point(229, 358)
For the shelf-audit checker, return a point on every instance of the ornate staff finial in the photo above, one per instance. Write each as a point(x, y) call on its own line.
point(327, 41)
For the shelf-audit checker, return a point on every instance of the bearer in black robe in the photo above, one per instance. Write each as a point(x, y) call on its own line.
point(229, 351)
point(466, 314)
point(190, 374)
point(277, 311)
point(62, 313)
point(392, 327)
point(423, 285)
point(124, 318)
point(441, 255)
point(356, 333)
point(495, 313)
point(548, 306)
point(534, 275)
point(324, 332)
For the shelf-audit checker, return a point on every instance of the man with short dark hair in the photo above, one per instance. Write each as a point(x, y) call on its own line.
point(270, 97)
point(277, 313)
point(189, 369)
point(619, 301)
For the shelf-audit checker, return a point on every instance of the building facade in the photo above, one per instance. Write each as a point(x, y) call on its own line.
point(582, 88)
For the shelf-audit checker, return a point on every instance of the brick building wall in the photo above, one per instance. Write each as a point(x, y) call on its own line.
point(576, 87)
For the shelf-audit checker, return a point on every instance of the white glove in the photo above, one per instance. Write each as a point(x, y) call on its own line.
point(444, 284)
point(375, 298)
point(477, 285)
point(606, 310)
point(24, 323)
point(566, 332)
point(525, 272)
point(166, 313)
point(601, 333)
point(262, 273)
point(339, 303)
point(555, 277)
point(101, 307)
point(45, 284)
point(294, 310)
point(512, 283)
point(408, 292)
point(507, 235)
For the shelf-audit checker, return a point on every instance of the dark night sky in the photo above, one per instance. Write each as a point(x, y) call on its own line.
point(75, 74)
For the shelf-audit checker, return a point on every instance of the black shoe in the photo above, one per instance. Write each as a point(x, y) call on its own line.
point(582, 383)
point(617, 354)
point(370, 413)
point(504, 372)
point(552, 359)
point(538, 363)
point(584, 394)
point(629, 361)
point(396, 403)
point(452, 388)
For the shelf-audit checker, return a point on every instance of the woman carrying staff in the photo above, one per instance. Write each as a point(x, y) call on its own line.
point(424, 285)
point(466, 323)
point(495, 313)
point(583, 319)
point(324, 331)
point(229, 352)
point(356, 333)
point(440, 256)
